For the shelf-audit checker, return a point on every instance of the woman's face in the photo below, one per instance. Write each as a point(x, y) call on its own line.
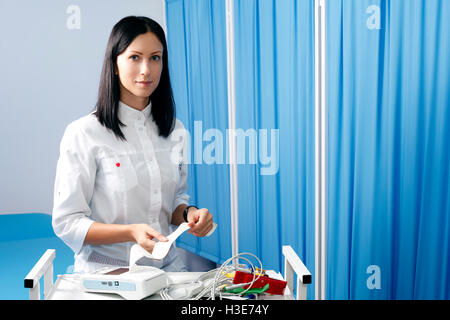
point(139, 70)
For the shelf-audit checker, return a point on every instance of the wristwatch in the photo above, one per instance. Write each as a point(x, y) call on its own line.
point(185, 212)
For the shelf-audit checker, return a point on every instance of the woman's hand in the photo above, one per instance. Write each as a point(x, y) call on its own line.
point(200, 221)
point(143, 235)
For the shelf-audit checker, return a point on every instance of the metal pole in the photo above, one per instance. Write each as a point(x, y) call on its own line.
point(320, 150)
point(232, 127)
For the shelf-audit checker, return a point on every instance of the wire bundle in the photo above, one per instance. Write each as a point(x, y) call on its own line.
point(214, 282)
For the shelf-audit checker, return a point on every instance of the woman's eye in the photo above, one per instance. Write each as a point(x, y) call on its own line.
point(156, 58)
point(134, 58)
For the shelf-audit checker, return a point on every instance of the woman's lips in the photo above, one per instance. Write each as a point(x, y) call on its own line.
point(144, 83)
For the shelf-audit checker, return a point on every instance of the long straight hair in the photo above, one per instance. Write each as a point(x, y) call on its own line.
point(163, 104)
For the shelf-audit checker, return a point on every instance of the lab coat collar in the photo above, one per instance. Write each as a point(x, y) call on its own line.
point(128, 114)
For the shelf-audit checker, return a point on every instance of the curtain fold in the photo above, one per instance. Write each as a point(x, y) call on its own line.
point(274, 49)
point(388, 152)
point(197, 49)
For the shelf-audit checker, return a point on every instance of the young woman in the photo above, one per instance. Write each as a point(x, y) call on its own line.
point(116, 181)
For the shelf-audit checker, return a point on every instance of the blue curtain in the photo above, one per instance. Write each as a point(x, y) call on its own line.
point(388, 66)
point(197, 57)
point(274, 50)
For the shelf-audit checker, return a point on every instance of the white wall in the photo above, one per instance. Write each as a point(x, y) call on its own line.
point(51, 53)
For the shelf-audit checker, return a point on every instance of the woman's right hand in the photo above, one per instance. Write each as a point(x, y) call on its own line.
point(143, 235)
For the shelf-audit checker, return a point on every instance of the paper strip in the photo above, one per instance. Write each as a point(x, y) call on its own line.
point(161, 249)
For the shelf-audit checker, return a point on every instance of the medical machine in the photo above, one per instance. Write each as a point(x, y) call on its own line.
point(132, 284)
point(135, 282)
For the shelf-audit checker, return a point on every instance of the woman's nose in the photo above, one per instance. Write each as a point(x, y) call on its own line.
point(145, 68)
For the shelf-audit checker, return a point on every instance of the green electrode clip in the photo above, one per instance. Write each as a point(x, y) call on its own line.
point(250, 291)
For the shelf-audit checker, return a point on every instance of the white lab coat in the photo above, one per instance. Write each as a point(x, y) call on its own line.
point(101, 178)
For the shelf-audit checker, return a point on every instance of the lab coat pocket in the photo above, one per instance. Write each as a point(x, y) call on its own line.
point(119, 173)
point(176, 164)
point(176, 169)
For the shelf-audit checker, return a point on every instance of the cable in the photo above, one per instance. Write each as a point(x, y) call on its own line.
point(213, 290)
point(214, 281)
point(73, 278)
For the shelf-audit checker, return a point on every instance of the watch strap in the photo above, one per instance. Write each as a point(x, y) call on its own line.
point(185, 212)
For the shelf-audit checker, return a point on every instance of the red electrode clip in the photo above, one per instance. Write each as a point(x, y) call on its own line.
point(275, 286)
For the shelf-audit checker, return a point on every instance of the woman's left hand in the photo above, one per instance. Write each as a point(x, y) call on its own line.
point(200, 221)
